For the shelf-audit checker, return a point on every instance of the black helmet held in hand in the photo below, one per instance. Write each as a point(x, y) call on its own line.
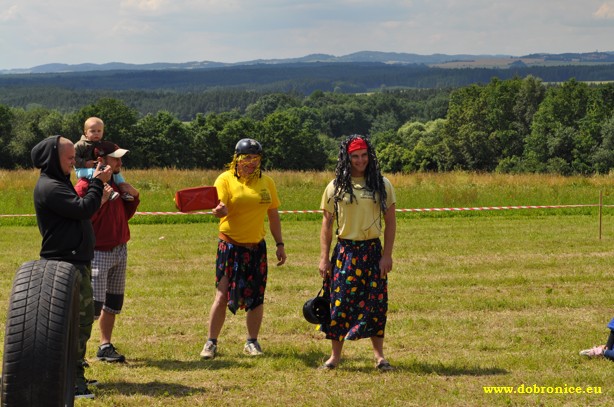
point(248, 146)
point(317, 310)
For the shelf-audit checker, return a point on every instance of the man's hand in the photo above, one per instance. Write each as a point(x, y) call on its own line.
point(385, 265)
point(124, 187)
point(220, 210)
point(280, 253)
point(325, 267)
point(103, 172)
point(106, 193)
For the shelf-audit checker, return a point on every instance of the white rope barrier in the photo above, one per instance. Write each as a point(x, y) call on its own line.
point(480, 208)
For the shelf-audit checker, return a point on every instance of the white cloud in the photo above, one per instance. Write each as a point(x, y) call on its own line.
point(605, 11)
point(128, 28)
point(143, 5)
point(142, 31)
point(9, 14)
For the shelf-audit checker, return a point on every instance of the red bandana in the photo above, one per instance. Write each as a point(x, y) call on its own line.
point(357, 144)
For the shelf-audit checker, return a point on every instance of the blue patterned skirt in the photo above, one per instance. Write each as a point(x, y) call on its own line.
point(358, 294)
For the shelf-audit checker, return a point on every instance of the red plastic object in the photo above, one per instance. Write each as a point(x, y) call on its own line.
point(196, 199)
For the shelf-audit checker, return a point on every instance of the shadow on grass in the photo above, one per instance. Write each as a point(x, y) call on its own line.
point(152, 389)
point(443, 370)
point(420, 369)
point(198, 364)
point(314, 358)
point(310, 358)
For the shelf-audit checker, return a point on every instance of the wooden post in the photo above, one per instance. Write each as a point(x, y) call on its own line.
point(600, 211)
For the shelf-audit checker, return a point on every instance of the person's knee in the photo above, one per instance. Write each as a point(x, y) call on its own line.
point(221, 299)
point(222, 285)
point(114, 303)
point(221, 293)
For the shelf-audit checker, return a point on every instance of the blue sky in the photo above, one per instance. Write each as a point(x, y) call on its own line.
point(33, 32)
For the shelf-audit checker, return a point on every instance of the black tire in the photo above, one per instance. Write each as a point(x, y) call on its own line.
point(40, 342)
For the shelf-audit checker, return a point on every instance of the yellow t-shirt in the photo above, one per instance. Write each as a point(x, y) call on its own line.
point(361, 219)
point(247, 206)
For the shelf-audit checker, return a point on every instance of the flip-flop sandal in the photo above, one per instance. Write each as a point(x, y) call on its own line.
point(327, 366)
point(384, 366)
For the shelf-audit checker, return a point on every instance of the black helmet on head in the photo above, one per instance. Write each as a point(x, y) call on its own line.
point(248, 146)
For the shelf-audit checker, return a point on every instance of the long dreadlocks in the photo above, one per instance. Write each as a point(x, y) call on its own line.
point(343, 176)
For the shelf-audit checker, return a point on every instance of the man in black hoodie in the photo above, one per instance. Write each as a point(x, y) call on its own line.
point(64, 222)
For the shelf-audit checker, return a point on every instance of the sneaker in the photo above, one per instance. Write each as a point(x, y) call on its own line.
point(83, 393)
point(84, 363)
point(127, 197)
point(114, 196)
point(209, 350)
point(384, 366)
point(108, 353)
point(92, 382)
point(252, 349)
point(595, 352)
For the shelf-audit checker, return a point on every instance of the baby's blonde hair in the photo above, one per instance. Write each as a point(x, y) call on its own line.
point(90, 122)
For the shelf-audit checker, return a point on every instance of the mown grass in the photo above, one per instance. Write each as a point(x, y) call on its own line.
point(491, 299)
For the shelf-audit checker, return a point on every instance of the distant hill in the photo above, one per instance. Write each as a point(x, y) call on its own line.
point(299, 77)
point(607, 57)
point(114, 66)
point(434, 60)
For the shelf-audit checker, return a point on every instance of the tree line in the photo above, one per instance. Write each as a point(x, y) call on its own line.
point(511, 126)
point(506, 125)
point(298, 132)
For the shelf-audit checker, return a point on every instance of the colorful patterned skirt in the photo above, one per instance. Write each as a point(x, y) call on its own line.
point(358, 295)
point(246, 269)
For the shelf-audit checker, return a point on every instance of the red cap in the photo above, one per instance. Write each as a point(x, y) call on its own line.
point(109, 149)
point(356, 144)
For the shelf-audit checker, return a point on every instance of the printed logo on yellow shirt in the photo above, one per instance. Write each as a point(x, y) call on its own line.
point(366, 194)
point(265, 196)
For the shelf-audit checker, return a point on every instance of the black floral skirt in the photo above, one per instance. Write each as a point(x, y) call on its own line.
point(358, 294)
point(246, 270)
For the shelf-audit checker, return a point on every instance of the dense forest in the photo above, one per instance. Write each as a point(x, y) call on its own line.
point(518, 124)
point(187, 92)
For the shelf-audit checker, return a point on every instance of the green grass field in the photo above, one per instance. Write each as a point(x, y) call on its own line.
point(477, 299)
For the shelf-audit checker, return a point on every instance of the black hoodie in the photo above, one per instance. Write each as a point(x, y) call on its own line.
point(63, 217)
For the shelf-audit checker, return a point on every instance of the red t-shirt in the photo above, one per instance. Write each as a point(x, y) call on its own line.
point(111, 220)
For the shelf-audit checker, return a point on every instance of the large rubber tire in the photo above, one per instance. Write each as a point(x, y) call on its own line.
point(40, 342)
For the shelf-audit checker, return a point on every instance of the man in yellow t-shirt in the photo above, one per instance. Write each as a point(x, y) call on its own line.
point(360, 219)
point(246, 197)
point(254, 200)
point(360, 199)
